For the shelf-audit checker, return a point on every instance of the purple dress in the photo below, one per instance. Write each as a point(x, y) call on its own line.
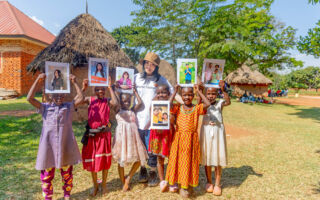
point(58, 146)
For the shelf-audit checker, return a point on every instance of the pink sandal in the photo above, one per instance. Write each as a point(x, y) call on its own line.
point(163, 186)
point(173, 188)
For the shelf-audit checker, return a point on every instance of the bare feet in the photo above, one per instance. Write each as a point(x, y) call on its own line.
point(66, 198)
point(217, 191)
point(94, 190)
point(104, 189)
point(126, 186)
point(184, 193)
point(209, 188)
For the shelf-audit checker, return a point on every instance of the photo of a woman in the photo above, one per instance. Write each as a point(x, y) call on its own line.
point(125, 81)
point(98, 72)
point(212, 72)
point(57, 81)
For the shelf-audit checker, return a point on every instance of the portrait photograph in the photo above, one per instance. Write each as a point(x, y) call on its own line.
point(160, 115)
point(98, 72)
point(57, 77)
point(187, 72)
point(212, 72)
point(124, 79)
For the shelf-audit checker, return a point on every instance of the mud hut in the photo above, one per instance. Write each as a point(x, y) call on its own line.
point(166, 70)
point(245, 79)
point(82, 38)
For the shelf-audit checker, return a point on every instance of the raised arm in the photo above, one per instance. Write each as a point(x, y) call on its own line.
point(79, 98)
point(30, 97)
point(139, 100)
point(114, 99)
point(176, 88)
point(85, 83)
point(201, 88)
point(226, 97)
point(206, 102)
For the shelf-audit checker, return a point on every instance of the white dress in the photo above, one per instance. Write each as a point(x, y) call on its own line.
point(213, 138)
point(127, 145)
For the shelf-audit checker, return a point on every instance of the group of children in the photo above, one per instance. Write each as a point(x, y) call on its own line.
point(180, 144)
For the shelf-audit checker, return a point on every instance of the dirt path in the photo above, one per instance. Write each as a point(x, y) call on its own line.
point(17, 113)
point(313, 101)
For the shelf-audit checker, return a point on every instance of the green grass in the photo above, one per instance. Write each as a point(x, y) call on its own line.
point(17, 104)
point(280, 160)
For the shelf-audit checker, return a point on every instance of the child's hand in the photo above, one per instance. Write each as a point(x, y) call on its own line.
point(85, 83)
point(134, 89)
point(72, 78)
point(201, 86)
point(177, 88)
point(221, 85)
point(41, 77)
point(196, 88)
point(109, 80)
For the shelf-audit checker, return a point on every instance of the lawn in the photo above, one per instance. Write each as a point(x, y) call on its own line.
point(279, 159)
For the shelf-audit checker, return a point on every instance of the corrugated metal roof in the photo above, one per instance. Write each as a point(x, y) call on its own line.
point(15, 22)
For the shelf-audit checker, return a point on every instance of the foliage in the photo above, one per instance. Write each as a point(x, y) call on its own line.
point(167, 27)
point(122, 35)
point(304, 78)
point(314, 1)
point(310, 44)
point(244, 32)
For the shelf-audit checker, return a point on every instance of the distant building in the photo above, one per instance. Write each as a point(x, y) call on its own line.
point(21, 39)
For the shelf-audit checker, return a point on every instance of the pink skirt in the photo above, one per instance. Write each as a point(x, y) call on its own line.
point(96, 155)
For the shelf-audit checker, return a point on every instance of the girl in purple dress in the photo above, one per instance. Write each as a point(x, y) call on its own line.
point(57, 147)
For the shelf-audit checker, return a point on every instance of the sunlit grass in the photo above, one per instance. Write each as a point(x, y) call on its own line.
point(280, 160)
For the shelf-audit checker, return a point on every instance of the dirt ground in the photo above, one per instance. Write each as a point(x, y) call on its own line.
point(313, 101)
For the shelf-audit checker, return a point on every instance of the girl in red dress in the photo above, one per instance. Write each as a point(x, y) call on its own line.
point(96, 154)
point(160, 140)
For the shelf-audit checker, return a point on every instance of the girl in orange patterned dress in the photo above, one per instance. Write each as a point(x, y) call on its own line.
point(184, 159)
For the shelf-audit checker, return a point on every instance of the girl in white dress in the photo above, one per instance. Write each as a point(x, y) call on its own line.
point(213, 138)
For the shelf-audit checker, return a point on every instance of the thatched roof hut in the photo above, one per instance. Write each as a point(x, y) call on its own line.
point(166, 70)
point(82, 38)
point(245, 79)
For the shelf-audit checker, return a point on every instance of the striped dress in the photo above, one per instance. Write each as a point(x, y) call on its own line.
point(184, 159)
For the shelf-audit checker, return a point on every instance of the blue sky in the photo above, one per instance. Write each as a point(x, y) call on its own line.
point(55, 14)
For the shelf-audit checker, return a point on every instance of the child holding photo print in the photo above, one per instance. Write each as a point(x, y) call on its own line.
point(127, 145)
point(160, 140)
point(57, 147)
point(96, 154)
point(213, 138)
point(184, 160)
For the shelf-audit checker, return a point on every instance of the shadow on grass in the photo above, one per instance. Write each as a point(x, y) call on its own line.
point(306, 113)
point(316, 190)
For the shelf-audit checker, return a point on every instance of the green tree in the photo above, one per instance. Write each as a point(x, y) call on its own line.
point(304, 78)
point(122, 35)
point(244, 31)
point(310, 44)
point(313, 1)
point(167, 27)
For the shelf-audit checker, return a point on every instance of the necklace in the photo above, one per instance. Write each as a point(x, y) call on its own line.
point(184, 111)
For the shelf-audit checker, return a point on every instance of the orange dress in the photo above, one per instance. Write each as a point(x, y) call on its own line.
point(184, 159)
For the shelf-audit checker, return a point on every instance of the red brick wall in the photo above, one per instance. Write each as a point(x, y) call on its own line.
point(13, 72)
point(10, 76)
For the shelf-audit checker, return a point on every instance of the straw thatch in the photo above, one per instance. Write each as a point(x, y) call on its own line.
point(82, 38)
point(244, 75)
point(166, 70)
point(244, 79)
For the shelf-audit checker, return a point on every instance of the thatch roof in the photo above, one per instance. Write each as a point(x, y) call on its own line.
point(82, 38)
point(244, 75)
point(166, 70)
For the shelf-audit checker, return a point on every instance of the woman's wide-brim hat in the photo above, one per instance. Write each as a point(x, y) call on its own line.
point(151, 57)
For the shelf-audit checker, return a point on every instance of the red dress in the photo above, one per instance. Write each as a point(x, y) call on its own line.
point(96, 155)
point(160, 142)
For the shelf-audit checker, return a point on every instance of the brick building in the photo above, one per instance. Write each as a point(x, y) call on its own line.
point(21, 39)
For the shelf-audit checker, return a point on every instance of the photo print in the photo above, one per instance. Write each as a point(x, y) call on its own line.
point(160, 115)
point(212, 72)
point(124, 79)
point(57, 77)
point(187, 72)
point(98, 72)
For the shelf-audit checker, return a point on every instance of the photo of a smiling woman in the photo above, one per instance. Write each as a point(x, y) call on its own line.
point(125, 81)
point(98, 72)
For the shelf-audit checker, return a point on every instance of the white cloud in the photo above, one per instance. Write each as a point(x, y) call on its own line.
point(308, 60)
point(39, 21)
point(57, 25)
